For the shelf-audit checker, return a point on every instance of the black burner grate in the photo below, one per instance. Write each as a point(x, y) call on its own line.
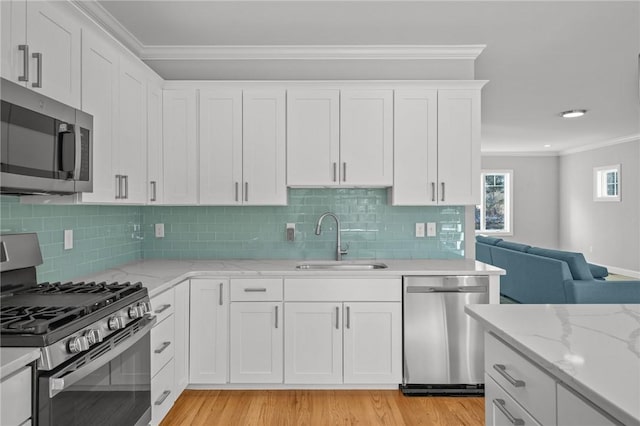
point(36, 319)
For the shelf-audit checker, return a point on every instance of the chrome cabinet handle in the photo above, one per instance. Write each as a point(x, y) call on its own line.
point(335, 171)
point(442, 191)
point(348, 317)
point(25, 62)
point(126, 186)
point(236, 191)
point(162, 347)
point(276, 316)
point(254, 290)
point(153, 191)
point(500, 368)
point(118, 187)
point(164, 396)
point(246, 191)
point(344, 171)
point(433, 191)
point(337, 318)
point(162, 308)
point(501, 406)
point(38, 58)
point(220, 295)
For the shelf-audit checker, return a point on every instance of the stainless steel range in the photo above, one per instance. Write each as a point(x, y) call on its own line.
point(94, 366)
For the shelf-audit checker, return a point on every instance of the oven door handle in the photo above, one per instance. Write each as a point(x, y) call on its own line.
point(59, 384)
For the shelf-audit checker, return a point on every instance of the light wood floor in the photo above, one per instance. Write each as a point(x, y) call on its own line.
point(321, 407)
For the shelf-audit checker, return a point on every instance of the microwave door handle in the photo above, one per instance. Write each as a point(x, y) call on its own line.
point(78, 147)
point(67, 148)
point(59, 384)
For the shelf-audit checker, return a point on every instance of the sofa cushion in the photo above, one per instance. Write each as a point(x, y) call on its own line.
point(492, 241)
point(576, 261)
point(514, 246)
point(598, 272)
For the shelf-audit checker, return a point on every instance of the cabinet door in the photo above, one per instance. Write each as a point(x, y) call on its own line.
point(181, 337)
point(256, 342)
point(372, 342)
point(366, 145)
point(100, 64)
point(459, 147)
point(501, 409)
point(132, 132)
point(180, 177)
point(221, 147)
point(263, 147)
point(154, 144)
point(208, 331)
point(54, 33)
point(13, 33)
point(313, 343)
point(415, 147)
point(313, 137)
point(574, 411)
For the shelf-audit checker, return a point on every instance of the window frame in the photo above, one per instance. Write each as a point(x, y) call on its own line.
point(508, 215)
point(600, 183)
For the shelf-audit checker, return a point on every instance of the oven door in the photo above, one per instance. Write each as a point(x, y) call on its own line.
point(108, 385)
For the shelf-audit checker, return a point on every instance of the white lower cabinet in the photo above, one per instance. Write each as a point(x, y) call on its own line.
point(575, 411)
point(181, 336)
point(501, 409)
point(15, 398)
point(162, 393)
point(208, 331)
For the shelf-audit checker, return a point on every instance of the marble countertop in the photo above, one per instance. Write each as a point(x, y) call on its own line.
point(160, 274)
point(593, 349)
point(13, 359)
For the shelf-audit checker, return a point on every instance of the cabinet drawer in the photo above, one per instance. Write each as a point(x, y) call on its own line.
point(256, 289)
point(162, 346)
point(343, 289)
point(15, 392)
point(501, 409)
point(162, 305)
point(162, 393)
point(574, 411)
point(525, 382)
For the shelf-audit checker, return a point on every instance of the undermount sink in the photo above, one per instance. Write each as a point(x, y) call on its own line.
point(341, 266)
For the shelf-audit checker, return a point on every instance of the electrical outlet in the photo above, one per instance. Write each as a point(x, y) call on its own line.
point(431, 229)
point(420, 230)
point(68, 239)
point(291, 232)
point(159, 230)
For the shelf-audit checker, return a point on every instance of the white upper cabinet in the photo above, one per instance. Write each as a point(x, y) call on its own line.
point(42, 49)
point(221, 147)
point(313, 137)
point(264, 147)
point(154, 143)
point(180, 171)
point(436, 147)
point(366, 137)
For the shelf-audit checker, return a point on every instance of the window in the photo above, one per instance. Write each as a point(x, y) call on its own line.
point(606, 183)
point(494, 215)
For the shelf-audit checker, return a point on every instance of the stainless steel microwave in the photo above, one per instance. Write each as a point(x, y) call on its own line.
point(46, 145)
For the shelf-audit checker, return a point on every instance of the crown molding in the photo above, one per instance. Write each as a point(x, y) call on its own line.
point(519, 153)
point(603, 144)
point(105, 20)
point(312, 52)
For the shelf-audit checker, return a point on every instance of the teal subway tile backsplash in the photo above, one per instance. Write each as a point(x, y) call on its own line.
point(104, 236)
point(108, 236)
point(372, 228)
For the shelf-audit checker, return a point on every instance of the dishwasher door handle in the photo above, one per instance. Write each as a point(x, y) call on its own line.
point(460, 289)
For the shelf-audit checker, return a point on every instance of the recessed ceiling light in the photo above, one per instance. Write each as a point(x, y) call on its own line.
point(573, 113)
point(547, 146)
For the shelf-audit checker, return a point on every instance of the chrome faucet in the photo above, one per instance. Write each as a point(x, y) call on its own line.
point(339, 251)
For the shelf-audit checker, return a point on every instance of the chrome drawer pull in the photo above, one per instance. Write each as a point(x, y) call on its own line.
point(433, 191)
point(276, 316)
point(25, 62)
point(337, 318)
point(162, 308)
point(503, 372)
point(220, 295)
point(255, 290)
point(162, 347)
point(38, 58)
point(501, 406)
point(164, 396)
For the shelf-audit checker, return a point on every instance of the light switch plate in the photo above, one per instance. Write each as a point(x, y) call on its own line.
point(159, 230)
point(291, 232)
point(68, 239)
point(420, 230)
point(431, 229)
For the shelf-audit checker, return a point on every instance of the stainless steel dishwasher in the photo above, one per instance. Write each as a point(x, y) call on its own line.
point(443, 346)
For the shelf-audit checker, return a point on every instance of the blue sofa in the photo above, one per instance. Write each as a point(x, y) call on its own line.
point(539, 275)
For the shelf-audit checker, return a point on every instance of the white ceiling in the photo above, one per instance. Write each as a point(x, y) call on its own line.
point(541, 57)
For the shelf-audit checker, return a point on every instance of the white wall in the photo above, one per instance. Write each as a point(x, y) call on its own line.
point(535, 197)
point(608, 233)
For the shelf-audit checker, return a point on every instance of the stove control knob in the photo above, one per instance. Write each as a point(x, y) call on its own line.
point(135, 312)
point(116, 323)
point(145, 306)
point(94, 336)
point(78, 344)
